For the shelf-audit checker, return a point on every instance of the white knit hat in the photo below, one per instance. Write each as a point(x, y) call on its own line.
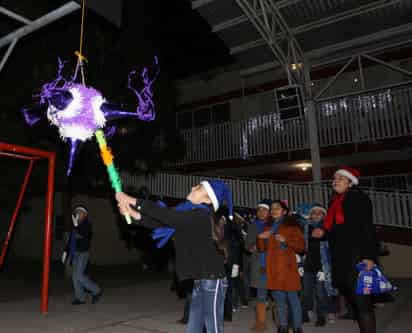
point(80, 209)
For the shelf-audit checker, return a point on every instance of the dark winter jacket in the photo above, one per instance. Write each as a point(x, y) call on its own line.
point(83, 233)
point(196, 253)
point(233, 236)
point(352, 241)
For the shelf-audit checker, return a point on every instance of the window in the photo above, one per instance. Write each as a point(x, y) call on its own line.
point(215, 114)
point(184, 120)
point(202, 117)
point(289, 102)
point(221, 113)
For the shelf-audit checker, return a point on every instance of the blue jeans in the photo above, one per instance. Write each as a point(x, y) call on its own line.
point(282, 299)
point(315, 289)
point(261, 295)
point(207, 306)
point(80, 280)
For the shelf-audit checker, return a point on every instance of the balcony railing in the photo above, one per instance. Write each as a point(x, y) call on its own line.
point(376, 115)
point(367, 117)
point(389, 208)
point(261, 135)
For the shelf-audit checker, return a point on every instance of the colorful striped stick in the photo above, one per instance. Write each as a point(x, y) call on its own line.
point(107, 157)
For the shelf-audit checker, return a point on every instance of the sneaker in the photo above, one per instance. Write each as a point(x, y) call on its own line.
point(311, 315)
point(244, 306)
point(96, 298)
point(331, 318)
point(78, 302)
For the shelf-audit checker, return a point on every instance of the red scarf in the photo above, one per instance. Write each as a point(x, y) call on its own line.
point(335, 212)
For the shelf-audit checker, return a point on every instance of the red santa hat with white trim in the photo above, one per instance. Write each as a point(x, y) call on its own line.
point(350, 173)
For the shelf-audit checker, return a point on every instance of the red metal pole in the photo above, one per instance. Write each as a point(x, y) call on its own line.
point(21, 157)
point(25, 150)
point(16, 212)
point(48, 234)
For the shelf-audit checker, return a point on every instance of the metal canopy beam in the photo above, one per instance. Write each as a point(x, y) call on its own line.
point(199, 3)
point(31, 26)
point(243, 18)
point(291, 57)
point(7, 54)
point(270, 22)
point(283, 3)
point(357, 42)
point(39, 23)
point(370, 7)
point(311, 25)
point(14, 16)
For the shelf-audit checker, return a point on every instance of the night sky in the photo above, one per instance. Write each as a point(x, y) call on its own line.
point(180, 35)
point(171, 30)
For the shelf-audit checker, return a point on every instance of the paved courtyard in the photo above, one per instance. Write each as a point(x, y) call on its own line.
point(142, 304)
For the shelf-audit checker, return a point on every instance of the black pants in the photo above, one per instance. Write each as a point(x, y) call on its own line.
point(363, 308)
point(237, 291)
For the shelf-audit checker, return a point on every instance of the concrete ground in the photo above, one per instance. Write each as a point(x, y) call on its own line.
point(136, 302)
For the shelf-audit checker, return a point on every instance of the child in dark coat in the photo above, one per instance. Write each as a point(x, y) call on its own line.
point(199, 247)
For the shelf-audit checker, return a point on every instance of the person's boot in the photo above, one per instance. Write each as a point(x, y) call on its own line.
point(260, 324)
point(184, 320)
point(305, 317)
point(297, 330)
point(78, 302)
point(96, 298)
point(367, 323)
point(282, 329)
point(321, 321)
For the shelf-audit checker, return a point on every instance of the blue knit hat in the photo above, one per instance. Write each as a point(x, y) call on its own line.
point(219, 192)
point(304, 210)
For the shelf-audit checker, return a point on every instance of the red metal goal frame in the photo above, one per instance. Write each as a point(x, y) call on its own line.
point(32, 155)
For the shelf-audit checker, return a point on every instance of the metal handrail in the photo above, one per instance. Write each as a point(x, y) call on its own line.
point(390, 208)
point(372, 115)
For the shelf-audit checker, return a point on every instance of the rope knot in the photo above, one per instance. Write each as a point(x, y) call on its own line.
point(81, 57)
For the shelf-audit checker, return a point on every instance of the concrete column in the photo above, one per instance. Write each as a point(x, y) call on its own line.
point(312, 126)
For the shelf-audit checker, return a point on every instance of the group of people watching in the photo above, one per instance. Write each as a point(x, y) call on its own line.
point(299, 261)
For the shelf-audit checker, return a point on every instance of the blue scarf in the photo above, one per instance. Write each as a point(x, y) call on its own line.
point(325, 257)
point(275, 229)
point(163, 234)
point(261, 228)
point(275, 225)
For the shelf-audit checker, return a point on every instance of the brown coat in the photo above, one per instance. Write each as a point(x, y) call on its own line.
point(282, 268)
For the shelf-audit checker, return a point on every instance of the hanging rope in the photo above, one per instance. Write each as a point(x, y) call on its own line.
point(82, 31)
point(80, 57)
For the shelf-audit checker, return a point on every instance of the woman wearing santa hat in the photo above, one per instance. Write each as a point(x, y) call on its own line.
point(351, 234)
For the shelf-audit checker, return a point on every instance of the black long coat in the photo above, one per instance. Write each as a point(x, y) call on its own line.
point(352, 241)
